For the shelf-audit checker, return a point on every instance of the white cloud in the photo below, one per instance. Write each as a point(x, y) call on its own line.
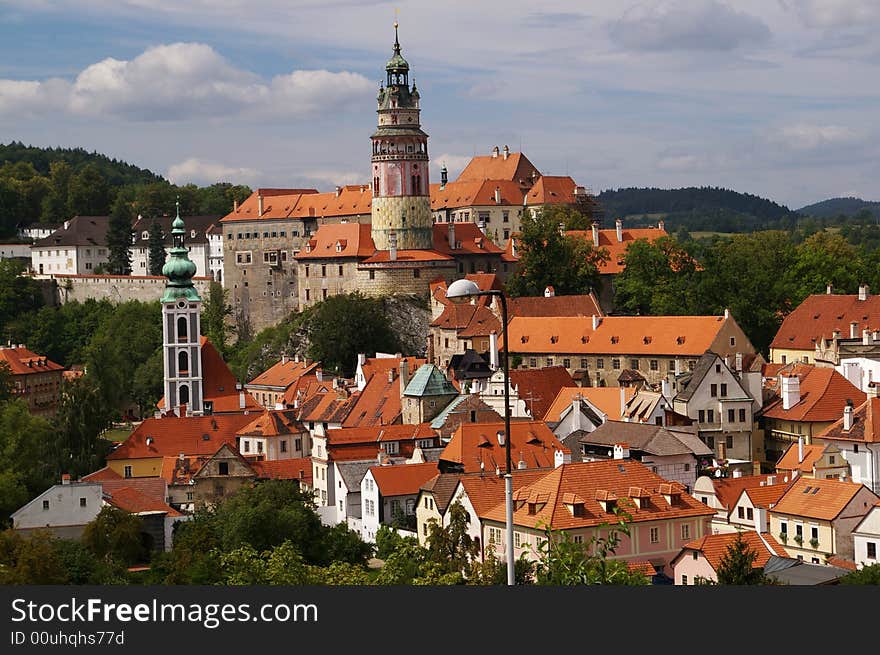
point(834, 13)
point(454, 165)
point(687, 25)
point(331, 178)
point(201, 172)
point(182, 81)
point(809, 137)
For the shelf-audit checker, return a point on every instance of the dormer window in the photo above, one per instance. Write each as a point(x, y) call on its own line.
point(647, 340)
point(640, 497)
point(615, 339)
point(145, 235)
point(679, 340)
point(607, 499)
point(585, 339)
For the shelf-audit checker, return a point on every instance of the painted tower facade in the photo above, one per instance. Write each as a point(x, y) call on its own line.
point(181, 328)
point(401, 207)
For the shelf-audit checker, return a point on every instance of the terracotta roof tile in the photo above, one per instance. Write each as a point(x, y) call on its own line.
point(789, 460)
point(485, 491)
point(617, 249)
point(100, 475)
point(538, 387)
point(865, 425)
point(577, 305)
point(728, 490)
point(133, 501)
point(402, 479)
point(469, 240)
point(474, 443)
point(284, 469)
point(606, 399)
point(820, 315)
point(552, 190)
point(22, 361)
point(714, 547)
point(283, 374)
point(823, 394)
point(339, 240)
point(273, 423)
point(515, 167)
point(171, 435)
point(403, 256)
point(817, 499)
point(277, 204)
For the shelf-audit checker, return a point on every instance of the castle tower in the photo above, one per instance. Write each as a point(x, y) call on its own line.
point(401, 201)
point(181, 308)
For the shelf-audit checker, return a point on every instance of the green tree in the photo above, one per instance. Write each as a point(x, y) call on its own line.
point(54, 207)
point(6, 384)
point(341, 573)
point(119, 235)
point(825, 258)
point(548, 256)
point(573, 217)
point(660, 279)
point(737, 565)
point(215, 314)
point(88, 193)
point(156, 248)
point(280, 565)
point(148, 382)
point(867, 575)
point(23, 469)
point(115, 536)
point(18, 295)
point(451, 546)
point(388, 541)
point(342, 544)
point(31, 560)
point(76, 446)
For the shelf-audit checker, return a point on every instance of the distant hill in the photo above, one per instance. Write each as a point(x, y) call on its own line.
point(116, 172)
point(697, 209)
point(834, 207)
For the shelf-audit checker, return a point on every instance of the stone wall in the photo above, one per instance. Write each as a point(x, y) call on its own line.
point(415, 232)
point(62, 289)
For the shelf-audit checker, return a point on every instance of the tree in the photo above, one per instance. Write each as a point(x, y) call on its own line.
point(737, 566)
point(119, 235)
point(573, 217)
point(6, 384)
point(76, 446)
point(30, 560)
point(23, 470)
point(148, 383)
point(88, 193)
point(825, 258)
point(114, 536)
point(451, 546)
point(660, 279)
point(54, 207)
point(19, 295)
point(281, 565)
point(867, 575)
point(549, 257)
point(342, 326)
point(156, 248)
point(215, 313)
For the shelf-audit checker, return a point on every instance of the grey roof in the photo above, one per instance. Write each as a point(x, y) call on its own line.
point(353, 472)
point(80, 231)
point(789, 571)
point(704, 365)
point(429, 381)
point(198, 223)
point(651, 439)
point(442, 486)
point(643, 404)
point(469, 365)
point(440, 419)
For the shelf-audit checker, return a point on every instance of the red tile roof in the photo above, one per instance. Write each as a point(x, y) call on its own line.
point(474, 443)
point(606, 399)
point(473, 193)
point(468, 320)
point(552, 190)
point(273, 423)
point(817, 499)
point(403, 256)
point(379, 402)
point(100, 475)
point(625, 335)
point(823, 394)
point(547, 501)
point(349, 200)
point(487, 490)
point(766, 497)
point(326, 405)
point(138, 495)
point(538, 387)
point(284, 469)
point(468, 237)
point(22, 361)
point(177, 471)
point(339, 240)
point(283, 374)
point(379, 434)
point(789, 460)
point(865, 425)
point(171, 435)
point(577, 305)
point(402, 479)
point(515, 167)
point(617, 249)
point(820, 315)
point(728, 490)
point(277, 204)
point(714, 547)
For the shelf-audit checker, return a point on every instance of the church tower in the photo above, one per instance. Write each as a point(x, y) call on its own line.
point(181, 344)
point(401, 206)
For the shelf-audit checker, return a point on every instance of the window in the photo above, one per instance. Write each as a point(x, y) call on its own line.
point(549, 361)
point(701, 416)
point(634, 364)
point(783, 528)
point(872, 550)
point(247, 446)
point(814, 532)
point(729, 440)
point(685, 531)
point(855, 448)
point(127, 471)
point(372, 275)
point(391, 447)
point(741, 512)
point(505, 217)
point(655, 535)
point(600, 363)
point(417, 272)
point(731, 416)
point(815, 560)
point(831, 459)
point(189, 494)
point(654, 365)
point(615, 364)
point(684, 578)
point(533, 363)
point(742, 416)
point(340, 270)
point(283, 446)
point(692, 364)
point(713, 390)
point(45, 504)
point(723, 390)
point(82, 502)
point(584, 363)
point(323, 270)
point(578, 538)
point(704, 500)
point(710, 415)
point(259, 446)
point(223, 468)
point(566, 362)
point(710, 441)
point(798, 530)
point(517, 540)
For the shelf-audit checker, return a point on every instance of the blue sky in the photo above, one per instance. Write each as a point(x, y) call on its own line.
point(773, 97)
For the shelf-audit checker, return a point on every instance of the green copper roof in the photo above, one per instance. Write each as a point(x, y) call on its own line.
point(440, 419)
point(429, 381)
point(397, 62)
point(179, 269)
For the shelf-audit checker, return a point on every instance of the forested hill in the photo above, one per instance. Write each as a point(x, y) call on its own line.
point(834, 207)
point(696, 208)
point(114, 171)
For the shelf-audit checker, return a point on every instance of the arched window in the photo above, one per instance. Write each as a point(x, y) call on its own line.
point(181, 328)
point(183, 362)
point(184, 394)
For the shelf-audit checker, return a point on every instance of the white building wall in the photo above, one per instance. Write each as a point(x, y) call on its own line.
point(369, 508)
point(140, 256)
point(493, 395)
point(675, 468)
point(64, 506)
point(860, 371)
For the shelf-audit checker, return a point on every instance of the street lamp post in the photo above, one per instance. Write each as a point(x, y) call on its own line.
point(457, 291)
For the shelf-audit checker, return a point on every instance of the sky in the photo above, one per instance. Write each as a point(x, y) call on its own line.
point(777, 98)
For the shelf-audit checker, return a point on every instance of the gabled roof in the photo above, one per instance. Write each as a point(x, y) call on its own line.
point(515, 167)
point(283, 373)
point(817, 498)
point(378, 434)
point(789, 460)
point(194, 224)
point(485, 282)
point(683, 336)
point(353, 472)
point(100, 475)
point(338, 240)
point(22, 361)
point(485, 491)
point(348, 200)
point(402, 479)
point(790, 571)
point(714, 547)
point(171, 435)
point(648, 438)
point(384, 256)
point(701, 370)
point(469, 240)
point(823, 394)
point(469, 365)
point(819, 315)
point(468, 320)
point(378, 403)
point(277, 204)
point(546, 501)
point(617, 249)
point(459, 411)
point(552, 190)
point(477, 193)
point(138, 495)
point(766, 497)
point(865, 425)
point(299, 468)
point(473, 444)
point(273, 423)
point(442, 488)
point(729, 490)
point(576, 305)
point(642, 405)
point(180, 470)
point(605, 399)
point(326, 405)
point(538, 387)
point(78, 231)
point(429, 381)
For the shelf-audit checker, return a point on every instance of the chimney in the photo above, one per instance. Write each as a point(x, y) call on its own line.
point(596, 322)
point(677, 368)
point(829, 289)
point(65, 478)
point(390, 375)
point(737, 473)
point(521, 465)
point(760, 520)
point(756, 467)
point(621, 450)
point(853, 330)
point(506, 152)
point(661, 226)
point(791, 391)
point(560, 458)
point(872, 390)
point(549, 292)
point(576, 413)
point(595, 227)
point(863, 292)
point(497, 195)
point(444, 177)
point(800, 449)
point(622, 400)
point(181, 456)
point(234, 205)
point(495, 152)
point(500, 436)
point(618, 225)
point(493, 351)
point(726, 313)
point(665, 389)
point(848, 416)
point(835, 334)
point(404, 375)
point(451, 235)
point(739, 362)
point(866, 337)
point(561, 228)
point(241, 403)
point(283, 358)
point(66, 224)
point(392, 246)
point(260, 204)
point(338, 191)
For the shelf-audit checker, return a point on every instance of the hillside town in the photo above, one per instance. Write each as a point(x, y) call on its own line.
point(666, 443)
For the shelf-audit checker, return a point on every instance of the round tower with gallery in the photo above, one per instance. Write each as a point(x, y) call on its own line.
point(401, 205)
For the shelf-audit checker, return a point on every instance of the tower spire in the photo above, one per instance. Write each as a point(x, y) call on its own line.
point(179, 269)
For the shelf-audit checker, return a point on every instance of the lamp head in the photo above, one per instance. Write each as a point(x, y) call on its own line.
point(461, 290)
